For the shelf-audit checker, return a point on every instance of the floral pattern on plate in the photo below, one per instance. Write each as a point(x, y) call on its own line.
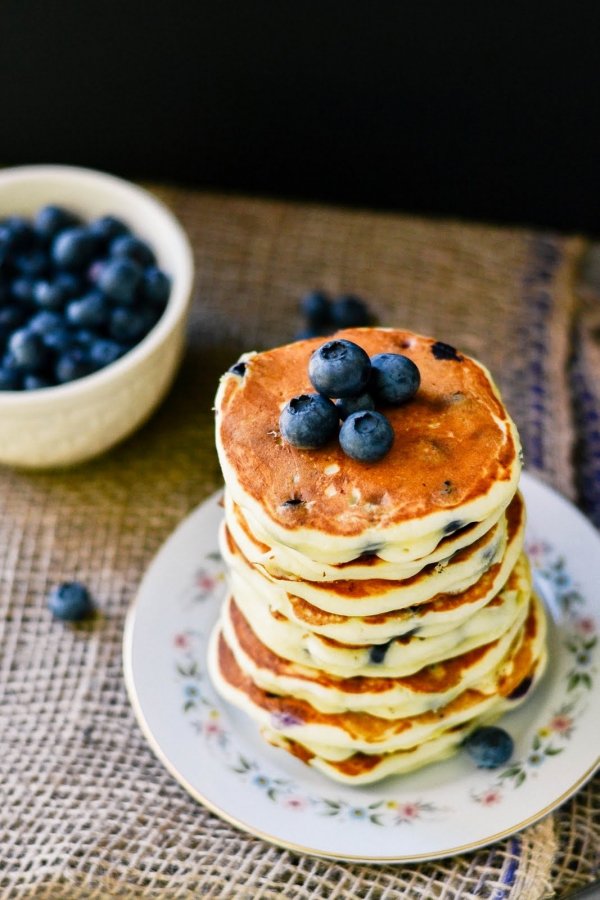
point(219, 757)
point(579, 639)
point(206, 720)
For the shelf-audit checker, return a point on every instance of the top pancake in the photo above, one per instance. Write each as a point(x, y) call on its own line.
point(455, 457)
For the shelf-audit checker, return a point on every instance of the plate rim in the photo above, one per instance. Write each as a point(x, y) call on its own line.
point(244, 827)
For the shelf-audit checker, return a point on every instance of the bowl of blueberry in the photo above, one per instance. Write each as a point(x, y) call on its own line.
point(95, 286)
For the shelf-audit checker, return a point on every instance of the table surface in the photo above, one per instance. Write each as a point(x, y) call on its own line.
point(87, 810)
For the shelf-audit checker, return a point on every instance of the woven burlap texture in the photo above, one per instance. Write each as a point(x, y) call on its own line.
point(86, 810)
point(585, 382)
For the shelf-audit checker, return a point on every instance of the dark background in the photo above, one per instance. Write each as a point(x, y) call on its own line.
point(483, 111)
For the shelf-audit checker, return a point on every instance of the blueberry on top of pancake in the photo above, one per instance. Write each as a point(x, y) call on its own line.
point(455, 454)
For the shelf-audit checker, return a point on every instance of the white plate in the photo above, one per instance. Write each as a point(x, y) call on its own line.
point(216, 753)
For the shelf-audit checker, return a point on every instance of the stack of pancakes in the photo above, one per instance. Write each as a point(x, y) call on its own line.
point(378, 612)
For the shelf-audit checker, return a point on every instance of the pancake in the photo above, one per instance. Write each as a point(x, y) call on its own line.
point(379, 595)
point(455, 457)
point(400, 656)
point(363, 768)
point(431, 687)
point(445, 611)
point(281, 562)
point(366, 768)
point(352, 732)
point(390, 562)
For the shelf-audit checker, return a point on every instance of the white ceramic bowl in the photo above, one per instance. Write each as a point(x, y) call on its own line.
point(69, 423)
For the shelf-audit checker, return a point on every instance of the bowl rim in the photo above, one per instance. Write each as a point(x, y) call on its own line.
point(179, 298)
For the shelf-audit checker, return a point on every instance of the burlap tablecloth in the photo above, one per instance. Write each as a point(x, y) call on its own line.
point(86, 810)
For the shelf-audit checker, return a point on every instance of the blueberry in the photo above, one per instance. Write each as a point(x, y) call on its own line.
point(350, 312)
point(95, 270)
point(453, 526)
point(11, 317)
point(35, 382)
point(72, 248)
point(377, 652)
point(70, 601)
point(71, 284)
point(129, 325)
point(6, 238)
point(9, 380)
point(522, 688)
point(106, 229)
point(44, 322)
point(366, 436)
point(316, 308)
point(91, 311)
point(58, 339)
point(27, 350)
point(308, 421)
point(130, 247)
point(5, 249)
point(489, 746)
point(394, 379)
point(339, 369)
point(51, 219)
point(293, 502)
point(72, 364)
point(32, 264)
point(119, 280)
point(22, 289)
point(16, 234)
point(156, 287)
point(103, 352)
point(84, 337)
point(49, 295)
point(5, 241)
point(348, 405)
point(238, 368)
point(445, 351)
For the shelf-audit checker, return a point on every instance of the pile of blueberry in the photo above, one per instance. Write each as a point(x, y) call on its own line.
point(74, 296)
point(342, 370)
point(323, 315)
